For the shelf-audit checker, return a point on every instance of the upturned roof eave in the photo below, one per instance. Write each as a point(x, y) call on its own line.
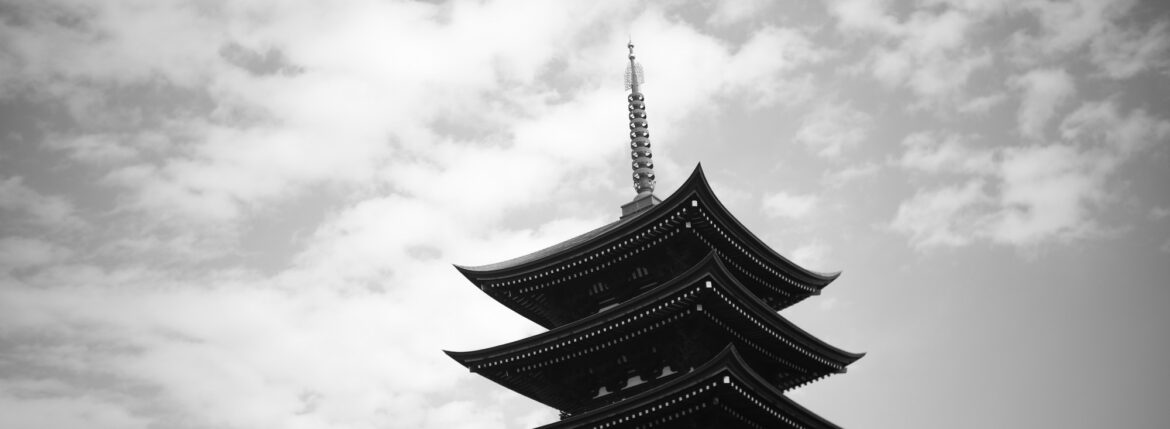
point(704, 188)
point(680, 281)
point(712, 265)
point(695, 183)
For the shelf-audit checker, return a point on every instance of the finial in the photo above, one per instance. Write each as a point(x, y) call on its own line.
point(640, 154)
point(634, 75)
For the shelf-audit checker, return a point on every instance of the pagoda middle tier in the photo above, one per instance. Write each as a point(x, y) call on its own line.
point(667, 330)
point(609, 265)
point(724, 392)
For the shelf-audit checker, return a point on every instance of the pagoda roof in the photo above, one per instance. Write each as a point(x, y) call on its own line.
point(726, 387)
point(696, 186)
point(761, 328)
point(517, 282)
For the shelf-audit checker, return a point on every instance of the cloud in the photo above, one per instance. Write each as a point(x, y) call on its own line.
point(931, 152)
point(757, 68)
point(1122, 53)
point(864, 16)
point(1102, 124)
point(1026, 195)
point(839, 178)
point(63, 412)
point(1044, 90)
point(812, 255)
point(359, 148)
point(982, 104)
point(792, 206)
point(833, 127)
point(735, 12)
point(24, 252)
point(948, 216)
point(413, 133)
point(1066, 26)
point(24, 206)
point(929, 52)
point(1046, 193)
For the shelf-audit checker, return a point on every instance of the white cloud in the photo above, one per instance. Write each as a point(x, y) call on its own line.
point(792, 206)
point(930, 51)
point(1066, 26)
point(758, 67)
point(1102, 124)
point(430, 128)
point(24, 252)
point(1044, 90)
point(1041, 193)
point(1124, 53)
point(813, 256)
point(24, 407)
point(947, 153)
point(736, 12)
point(23, 205)
point(833, 127)
point(948, 216)
point(864, 15)
point(1045, 194)
point(839, 178)
point(982, 104)
point(1027, 195)
point(415, 135)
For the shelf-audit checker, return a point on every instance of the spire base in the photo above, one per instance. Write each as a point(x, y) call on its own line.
point(641, 203)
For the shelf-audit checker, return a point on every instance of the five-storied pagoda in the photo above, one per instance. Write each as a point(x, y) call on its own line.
point(666, 317)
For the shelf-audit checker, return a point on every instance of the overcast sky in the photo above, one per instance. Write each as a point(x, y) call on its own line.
point(242, 214)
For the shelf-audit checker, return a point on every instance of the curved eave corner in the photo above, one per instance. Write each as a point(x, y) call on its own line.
point(698, 183)
point(475, 273)
point(459, 357)
point(762, 310)
point(710, 265)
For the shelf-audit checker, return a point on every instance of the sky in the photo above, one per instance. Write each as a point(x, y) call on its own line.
point(243, 214)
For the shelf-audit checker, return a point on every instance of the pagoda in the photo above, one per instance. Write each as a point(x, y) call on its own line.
point(667, 317)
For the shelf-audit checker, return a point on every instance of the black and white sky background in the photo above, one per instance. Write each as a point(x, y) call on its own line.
point(242, 214)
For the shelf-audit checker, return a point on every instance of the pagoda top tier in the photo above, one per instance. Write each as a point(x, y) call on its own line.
point(584, 274)
point(695, 191)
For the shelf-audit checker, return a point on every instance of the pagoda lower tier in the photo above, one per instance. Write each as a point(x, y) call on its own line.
point(654, 337)
point(603, 267)
point(724, 392)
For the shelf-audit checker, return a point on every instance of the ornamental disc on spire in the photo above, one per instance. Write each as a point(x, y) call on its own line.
point(641, 158)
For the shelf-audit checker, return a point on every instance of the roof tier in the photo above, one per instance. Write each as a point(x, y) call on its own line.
point(648, 339)
point(582, 275)
point(724, 392)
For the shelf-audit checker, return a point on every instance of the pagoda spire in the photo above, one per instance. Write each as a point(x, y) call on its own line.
point(642, 161)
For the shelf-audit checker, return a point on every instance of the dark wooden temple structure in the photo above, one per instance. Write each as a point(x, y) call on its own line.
point(667, 317)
